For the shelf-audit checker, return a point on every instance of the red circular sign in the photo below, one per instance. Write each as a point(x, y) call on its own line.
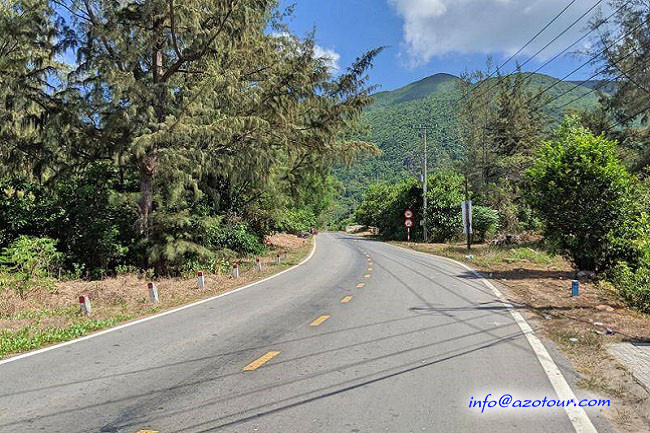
point(408, 222)
point(408, 213)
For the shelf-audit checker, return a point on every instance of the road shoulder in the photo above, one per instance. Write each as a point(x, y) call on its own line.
point(580, 329)
point(110, 315)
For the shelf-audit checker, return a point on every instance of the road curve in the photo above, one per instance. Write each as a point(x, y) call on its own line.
point(364, 337)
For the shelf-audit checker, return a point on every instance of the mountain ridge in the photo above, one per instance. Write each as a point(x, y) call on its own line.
point(432, 101)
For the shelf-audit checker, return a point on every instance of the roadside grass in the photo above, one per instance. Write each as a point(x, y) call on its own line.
point(52, 317)
point(486, 256)
point(32, 337)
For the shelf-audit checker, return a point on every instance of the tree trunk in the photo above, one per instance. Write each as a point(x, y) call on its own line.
point(148, 163)
point(147, 177)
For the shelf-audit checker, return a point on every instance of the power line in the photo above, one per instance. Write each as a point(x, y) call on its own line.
point(591, 59)
point(628, 118)
point(555, 39)
point(596, 27)
point(526, 44)
point(602, 84)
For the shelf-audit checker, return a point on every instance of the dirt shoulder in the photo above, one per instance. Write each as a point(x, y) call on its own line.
point(45, 318)
point(539, 286)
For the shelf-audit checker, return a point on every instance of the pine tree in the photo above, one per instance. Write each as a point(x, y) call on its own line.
point(199, 102)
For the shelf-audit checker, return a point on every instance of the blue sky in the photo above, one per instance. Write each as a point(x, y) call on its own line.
point(425, 37)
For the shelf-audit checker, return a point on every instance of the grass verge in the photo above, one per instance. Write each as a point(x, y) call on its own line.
point(52, 317)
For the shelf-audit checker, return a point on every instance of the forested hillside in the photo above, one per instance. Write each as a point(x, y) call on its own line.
point(432, 101)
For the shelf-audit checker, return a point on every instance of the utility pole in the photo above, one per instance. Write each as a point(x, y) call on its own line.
point(425, 171)
point(468, 211)
point(424, 189)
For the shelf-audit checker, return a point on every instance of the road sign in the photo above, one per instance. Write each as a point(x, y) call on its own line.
point(408, 223)
point(408, 213)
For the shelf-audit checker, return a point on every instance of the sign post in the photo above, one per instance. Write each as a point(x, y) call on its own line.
point(408, 223)
point(575, 288)
point(466, 208)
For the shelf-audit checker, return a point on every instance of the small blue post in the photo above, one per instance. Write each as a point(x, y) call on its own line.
point(575, 287)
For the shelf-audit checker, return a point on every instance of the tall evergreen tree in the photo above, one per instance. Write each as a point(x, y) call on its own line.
point(28, 102)
point(195, 113)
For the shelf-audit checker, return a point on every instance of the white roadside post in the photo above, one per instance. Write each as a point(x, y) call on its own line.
point(153, 292)
point(84, 302)
point(259, 265)
point(235, 271)
point(279, 260)
point(201, 279)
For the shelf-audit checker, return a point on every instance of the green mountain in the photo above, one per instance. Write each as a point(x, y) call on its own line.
point(421, 89)
point(391, 123)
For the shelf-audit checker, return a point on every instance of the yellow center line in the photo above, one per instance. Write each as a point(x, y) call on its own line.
point(346, 299)
point(360, 285)
point(367, 276)
point(147, 431)
point(320, 320)
point(370, 269)
point(261, 361)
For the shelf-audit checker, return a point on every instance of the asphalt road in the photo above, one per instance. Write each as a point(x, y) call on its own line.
point(405, 353)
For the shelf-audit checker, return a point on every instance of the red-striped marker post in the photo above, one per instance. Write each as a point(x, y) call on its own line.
point(279, 259)
point(258, 263)
point(153, 292)
point(201, 279)
point(235, 271)
point(84, 302)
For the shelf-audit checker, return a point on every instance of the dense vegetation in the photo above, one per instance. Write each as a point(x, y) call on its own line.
point(392, 120)
point(172, 134)
point(578, 176)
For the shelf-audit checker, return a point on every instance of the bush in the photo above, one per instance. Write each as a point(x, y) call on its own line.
point(97, 226)
point(485, 221)
point(384, 205)
point(236, 237)
point(295, 220)
point(583, 194)
point(633, 285)
point(444, 196)
point(197, 242)
point(27, 263)
point(93, 225)
point(376, 208)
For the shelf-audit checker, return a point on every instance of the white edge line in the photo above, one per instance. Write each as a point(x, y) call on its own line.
point(577, 415)
point(156, 316)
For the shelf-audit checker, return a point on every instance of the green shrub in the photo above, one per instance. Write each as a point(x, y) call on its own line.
point(97, 226)
point(633, 285)
point(485, 221)
point(296, 220)
point(26, 265)
point(384, 205)
point(583, 194)
point(93, 224)
point(377, 208)
point(238, 238)
point(444, 196)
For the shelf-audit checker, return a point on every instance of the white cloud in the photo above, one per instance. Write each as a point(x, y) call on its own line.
point(437, 27)
point(330, 57)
